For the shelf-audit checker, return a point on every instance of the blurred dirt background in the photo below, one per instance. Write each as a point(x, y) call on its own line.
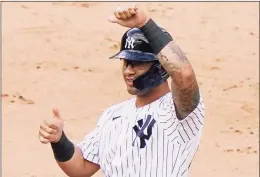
point(57, 53)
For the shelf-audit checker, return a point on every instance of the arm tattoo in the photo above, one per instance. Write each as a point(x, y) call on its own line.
point(185, 88)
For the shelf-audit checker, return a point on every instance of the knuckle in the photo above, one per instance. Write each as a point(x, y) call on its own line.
point(54, 131)
point(51, 131)
point(41, 127)
point(43, 134)
point(48, 130)
point(47, 137)
point(40, 132)
point(41, 139)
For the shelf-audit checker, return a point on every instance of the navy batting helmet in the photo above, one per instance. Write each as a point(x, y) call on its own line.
point(135, 47)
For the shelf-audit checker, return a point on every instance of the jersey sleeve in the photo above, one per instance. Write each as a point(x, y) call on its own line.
point(191, 126)
point(90, 144)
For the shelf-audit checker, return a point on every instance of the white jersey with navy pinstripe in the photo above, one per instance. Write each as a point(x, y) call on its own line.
point(144, 142)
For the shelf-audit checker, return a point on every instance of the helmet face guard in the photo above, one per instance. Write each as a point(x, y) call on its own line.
point(135, 47)
point(155, 76)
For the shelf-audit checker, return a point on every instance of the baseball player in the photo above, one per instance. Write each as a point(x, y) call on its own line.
point(156, 133)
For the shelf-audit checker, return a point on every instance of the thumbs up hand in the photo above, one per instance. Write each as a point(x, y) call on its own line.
point(51, 129)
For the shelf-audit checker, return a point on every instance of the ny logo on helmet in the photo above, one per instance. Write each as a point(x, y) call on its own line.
point(129, 43)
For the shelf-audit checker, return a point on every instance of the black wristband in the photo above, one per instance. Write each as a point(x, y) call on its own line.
point(63, 149)
point(157, 38)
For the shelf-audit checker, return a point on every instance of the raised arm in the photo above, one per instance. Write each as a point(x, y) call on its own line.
point(185, 90)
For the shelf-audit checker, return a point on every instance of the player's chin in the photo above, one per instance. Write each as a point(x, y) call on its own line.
point(132, 90)
point(135, 91)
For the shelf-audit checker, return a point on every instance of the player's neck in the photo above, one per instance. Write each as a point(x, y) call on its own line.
point(152, 95)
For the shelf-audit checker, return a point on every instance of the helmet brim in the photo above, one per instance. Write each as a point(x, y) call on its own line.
point(135, 55)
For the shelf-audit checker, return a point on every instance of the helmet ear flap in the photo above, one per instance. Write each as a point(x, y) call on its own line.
point(164, 74)
point(155, 76)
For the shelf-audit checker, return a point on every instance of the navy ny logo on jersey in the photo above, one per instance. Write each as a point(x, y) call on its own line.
point(139, 130)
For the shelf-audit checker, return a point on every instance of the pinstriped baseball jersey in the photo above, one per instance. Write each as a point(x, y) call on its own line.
point(144, 142)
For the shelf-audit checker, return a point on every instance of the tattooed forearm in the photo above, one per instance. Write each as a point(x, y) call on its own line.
point(185, 89)
point(185, 93)
point(172, 58)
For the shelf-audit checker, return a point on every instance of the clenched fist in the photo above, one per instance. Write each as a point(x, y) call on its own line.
point(51, 129)
point(135, 16)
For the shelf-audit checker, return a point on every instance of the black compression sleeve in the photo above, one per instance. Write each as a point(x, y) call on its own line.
point(157, 38)
point(63, 149)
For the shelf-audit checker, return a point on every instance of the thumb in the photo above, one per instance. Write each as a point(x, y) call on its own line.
point(56, 112)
